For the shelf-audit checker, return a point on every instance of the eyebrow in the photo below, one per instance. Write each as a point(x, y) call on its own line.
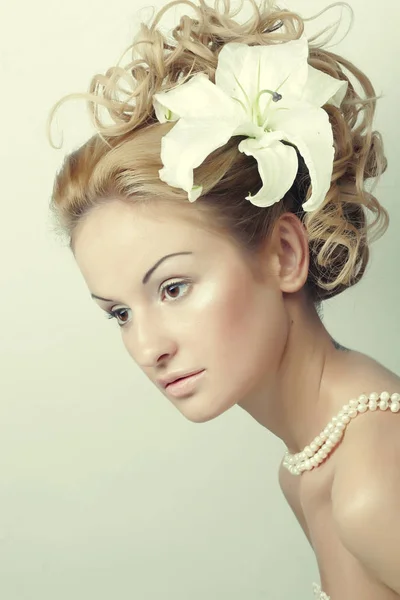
point(148, 274)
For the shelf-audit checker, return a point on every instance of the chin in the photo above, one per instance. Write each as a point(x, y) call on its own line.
point(199, 418)
point(202, 412)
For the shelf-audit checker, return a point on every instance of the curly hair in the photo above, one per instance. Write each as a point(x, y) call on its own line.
point(122, 160)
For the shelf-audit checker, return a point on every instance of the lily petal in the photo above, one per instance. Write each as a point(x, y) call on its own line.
point(163, 113)
point(323, 89)
point(282, 67)
point(187, 145)
point(277, 166)
point(310, 131)
point(338, 98)
point(195, 99)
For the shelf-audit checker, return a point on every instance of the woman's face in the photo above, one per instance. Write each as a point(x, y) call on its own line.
point(200, 310)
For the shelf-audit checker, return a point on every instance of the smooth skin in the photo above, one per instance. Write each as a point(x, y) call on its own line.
point(248, 324)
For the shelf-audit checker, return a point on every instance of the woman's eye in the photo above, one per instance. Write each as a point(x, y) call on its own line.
point(115, 314)
point(172, 292)
point(173, 289)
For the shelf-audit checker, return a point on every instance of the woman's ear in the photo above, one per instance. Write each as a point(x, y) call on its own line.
point(291, 252)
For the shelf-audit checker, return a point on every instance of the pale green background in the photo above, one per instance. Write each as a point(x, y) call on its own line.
point(106, 491)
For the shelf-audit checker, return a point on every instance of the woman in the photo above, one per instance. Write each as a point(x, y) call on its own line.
point(224, 204)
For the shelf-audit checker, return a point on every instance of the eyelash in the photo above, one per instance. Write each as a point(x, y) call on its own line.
point(113, 314)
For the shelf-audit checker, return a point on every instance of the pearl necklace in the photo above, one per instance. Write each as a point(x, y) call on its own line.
point(329, 438)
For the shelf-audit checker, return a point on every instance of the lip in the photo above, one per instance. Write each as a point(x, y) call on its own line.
point(164, 381)
point(185, 386)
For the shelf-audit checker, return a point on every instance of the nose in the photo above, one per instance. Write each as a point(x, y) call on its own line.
point(151, 343)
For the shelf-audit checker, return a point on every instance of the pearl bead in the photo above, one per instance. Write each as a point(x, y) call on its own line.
point(372, 405)
point(395, 407)
point(307, 451)
point(363, 399)
point(395, 397)
point(383, 404)
point(385, 396)
point(362, 408)
point(374, 396)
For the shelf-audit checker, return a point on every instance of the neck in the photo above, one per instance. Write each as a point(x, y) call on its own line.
point(303, 395)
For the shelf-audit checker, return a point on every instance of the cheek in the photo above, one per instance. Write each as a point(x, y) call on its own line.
point(242, 321)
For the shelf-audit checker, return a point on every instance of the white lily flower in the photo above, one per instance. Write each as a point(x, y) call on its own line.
point(270, 94)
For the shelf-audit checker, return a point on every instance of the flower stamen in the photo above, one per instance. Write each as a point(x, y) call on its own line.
point(275, 97)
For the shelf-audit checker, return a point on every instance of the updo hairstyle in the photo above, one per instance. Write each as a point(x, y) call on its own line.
point(122, 160)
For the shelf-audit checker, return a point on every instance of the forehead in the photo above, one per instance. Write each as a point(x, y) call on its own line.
point(116, 231)
point(117, 224)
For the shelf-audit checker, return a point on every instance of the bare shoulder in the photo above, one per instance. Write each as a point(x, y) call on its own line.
point(366, 491)
point(368, 463)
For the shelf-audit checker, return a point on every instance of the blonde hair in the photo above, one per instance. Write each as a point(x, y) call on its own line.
point(122, 160)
